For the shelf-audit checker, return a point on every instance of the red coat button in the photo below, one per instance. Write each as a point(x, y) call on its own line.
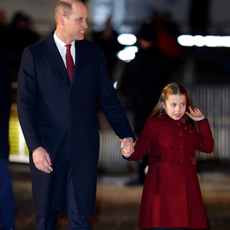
point(178, 124)
point(181, 161)
point(181, 147)
point(180, 135)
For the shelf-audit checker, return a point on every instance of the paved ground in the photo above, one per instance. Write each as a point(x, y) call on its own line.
point(118, 205)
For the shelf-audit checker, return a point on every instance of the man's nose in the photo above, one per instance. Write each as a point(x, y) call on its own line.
point(85, 25)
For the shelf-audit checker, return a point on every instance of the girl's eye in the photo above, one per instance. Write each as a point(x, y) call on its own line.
point(173, 105)
point(182, 104)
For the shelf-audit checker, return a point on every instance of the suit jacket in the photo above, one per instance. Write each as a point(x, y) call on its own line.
point(5, 104)
point(171, 196)
point(60, 116)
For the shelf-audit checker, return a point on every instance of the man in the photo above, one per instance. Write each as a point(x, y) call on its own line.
point(7, 205)
point(56, 108)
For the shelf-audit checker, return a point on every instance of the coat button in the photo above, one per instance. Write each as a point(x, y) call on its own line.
point(181, 161)
point(178, 124)
point(181, 148)
point(180, 135)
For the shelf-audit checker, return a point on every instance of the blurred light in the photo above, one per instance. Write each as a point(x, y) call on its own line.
point(131, 49)
point(125, 55)
point(21, 142)
point(128, 53)
point(212, 41)
point(209, 41)
point(199, 40)
point(185, 40)
point(115, 85)
point(127, 39)
point(226, 41)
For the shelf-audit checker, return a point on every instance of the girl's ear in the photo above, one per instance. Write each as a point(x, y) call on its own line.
point(163, 105)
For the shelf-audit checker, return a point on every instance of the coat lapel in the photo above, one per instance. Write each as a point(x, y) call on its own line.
point(55, 57)
point(80, 58)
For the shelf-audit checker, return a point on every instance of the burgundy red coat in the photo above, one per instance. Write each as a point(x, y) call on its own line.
point(171, 196)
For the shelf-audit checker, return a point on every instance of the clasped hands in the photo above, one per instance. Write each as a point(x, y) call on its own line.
point(127, 147)
point(42, 159)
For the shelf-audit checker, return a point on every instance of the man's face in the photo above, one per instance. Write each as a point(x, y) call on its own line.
point(76, 23)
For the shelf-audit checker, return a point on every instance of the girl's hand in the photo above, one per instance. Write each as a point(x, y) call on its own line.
point(127, 147)
point(195, 114)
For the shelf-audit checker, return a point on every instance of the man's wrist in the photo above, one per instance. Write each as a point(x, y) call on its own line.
point(36, 149)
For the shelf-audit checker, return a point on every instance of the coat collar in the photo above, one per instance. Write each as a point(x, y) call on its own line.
point(164, 116)
point(54, 55)
point(81, 57)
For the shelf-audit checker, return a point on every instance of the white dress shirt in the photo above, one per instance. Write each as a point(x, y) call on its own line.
point(62, 49)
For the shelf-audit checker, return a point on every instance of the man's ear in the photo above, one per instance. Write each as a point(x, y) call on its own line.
point(62, 20)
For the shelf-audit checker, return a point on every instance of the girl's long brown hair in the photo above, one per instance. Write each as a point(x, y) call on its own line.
point(173, 89)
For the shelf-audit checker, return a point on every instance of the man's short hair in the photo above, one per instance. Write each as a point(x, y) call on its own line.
point(64, 7)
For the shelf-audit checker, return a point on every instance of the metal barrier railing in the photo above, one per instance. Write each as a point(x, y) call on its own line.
point(214, 102)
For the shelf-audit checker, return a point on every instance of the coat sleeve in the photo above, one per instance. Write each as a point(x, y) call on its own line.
point(142, 145)
point(110, 104)
point(26, 100)
point(204, 138)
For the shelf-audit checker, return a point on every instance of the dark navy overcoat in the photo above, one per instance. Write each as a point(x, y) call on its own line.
point(60, 116)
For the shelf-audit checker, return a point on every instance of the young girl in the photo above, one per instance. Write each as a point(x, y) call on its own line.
point(171, 196)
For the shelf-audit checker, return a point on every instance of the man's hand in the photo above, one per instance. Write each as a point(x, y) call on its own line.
point(42, 160)
point(127, 147)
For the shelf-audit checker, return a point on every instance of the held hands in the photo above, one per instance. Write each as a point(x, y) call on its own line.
point(42, 160)
point(127, 147)
point(195, 114)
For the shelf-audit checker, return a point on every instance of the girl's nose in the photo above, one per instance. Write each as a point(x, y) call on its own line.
point(178, 108)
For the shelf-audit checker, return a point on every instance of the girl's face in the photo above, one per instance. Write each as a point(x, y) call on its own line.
point(175, 106)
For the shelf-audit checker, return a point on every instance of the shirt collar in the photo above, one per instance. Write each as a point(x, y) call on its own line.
point(59, 41)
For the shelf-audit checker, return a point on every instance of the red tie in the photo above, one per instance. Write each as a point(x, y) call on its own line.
point(69, 62)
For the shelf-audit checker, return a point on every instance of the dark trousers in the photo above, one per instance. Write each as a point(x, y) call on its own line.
point(7, 205)
point(75, 221)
